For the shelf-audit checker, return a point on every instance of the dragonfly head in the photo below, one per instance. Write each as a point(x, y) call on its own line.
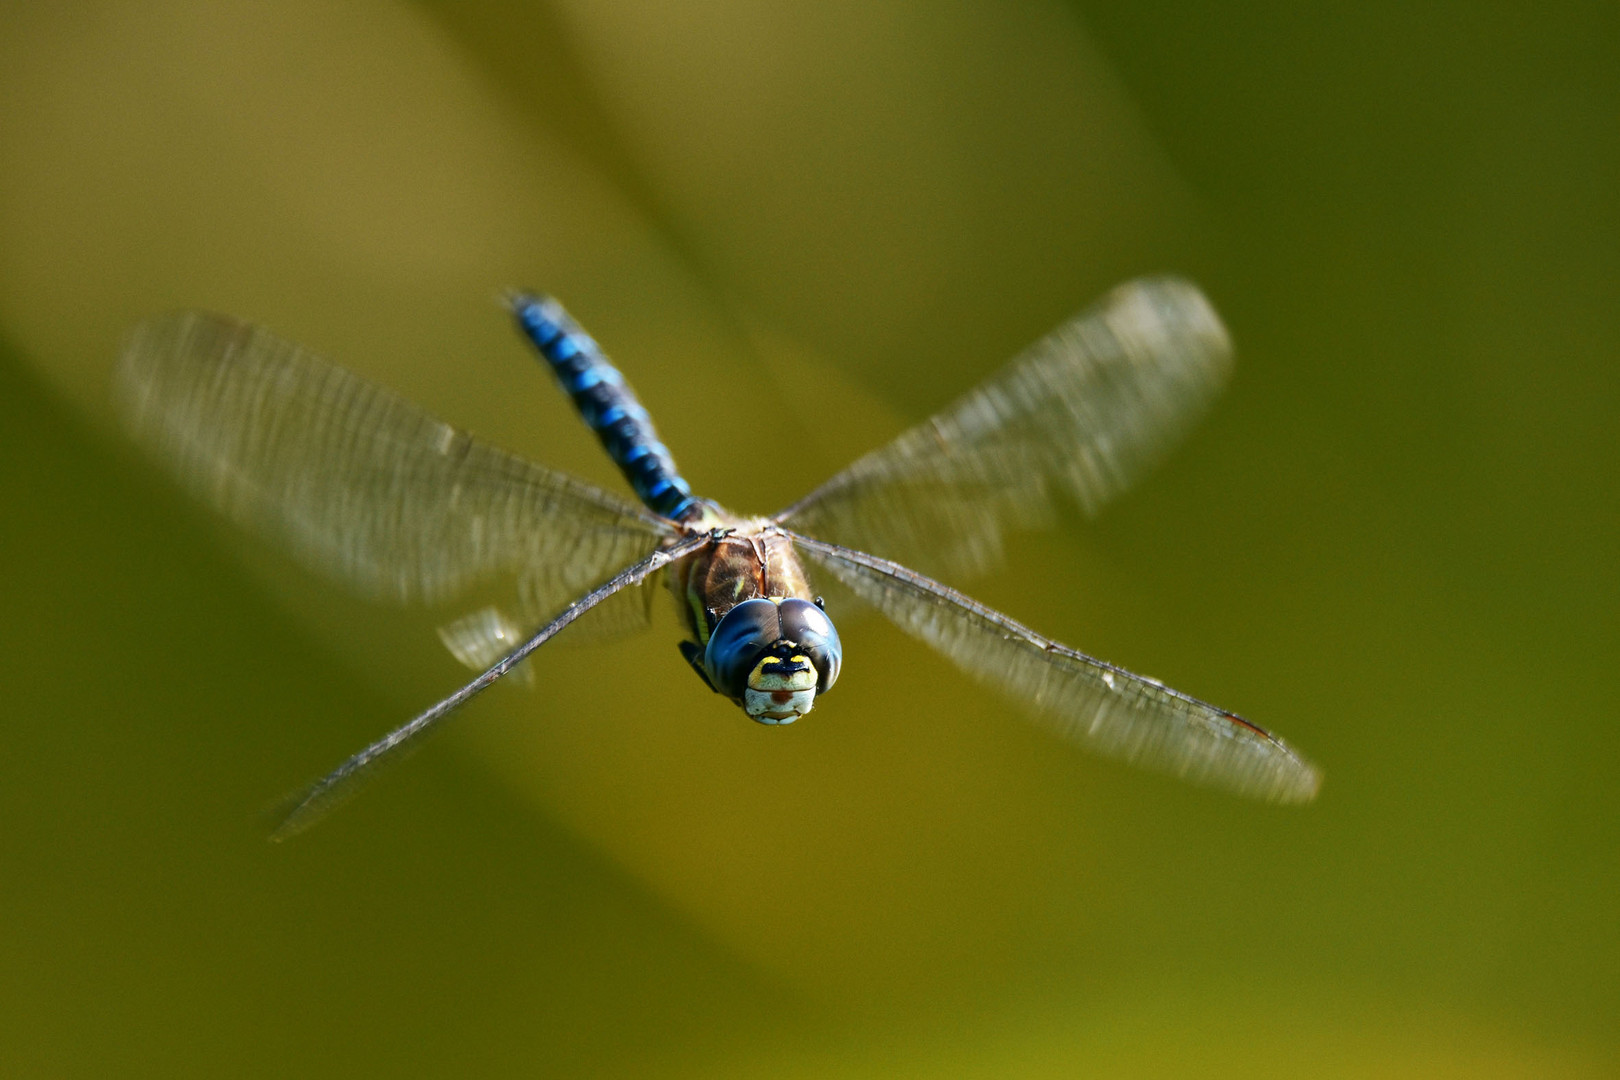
point(773, 656)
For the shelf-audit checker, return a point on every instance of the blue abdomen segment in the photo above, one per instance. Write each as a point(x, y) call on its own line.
point(608, 406)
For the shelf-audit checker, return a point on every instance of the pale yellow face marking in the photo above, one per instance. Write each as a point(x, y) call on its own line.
point(805, 679)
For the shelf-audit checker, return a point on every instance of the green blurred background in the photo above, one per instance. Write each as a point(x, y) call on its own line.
point(799, 228)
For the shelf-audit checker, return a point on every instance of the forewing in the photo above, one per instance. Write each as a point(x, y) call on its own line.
point(304, 809)
point(357, 482)
point(1088, 701)
point(1084, 413)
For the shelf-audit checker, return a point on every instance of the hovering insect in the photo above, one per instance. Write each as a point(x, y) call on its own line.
point(365, 487)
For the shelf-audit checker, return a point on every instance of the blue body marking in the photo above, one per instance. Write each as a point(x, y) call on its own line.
point(607, 405)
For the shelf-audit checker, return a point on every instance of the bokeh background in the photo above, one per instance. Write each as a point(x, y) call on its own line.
point(800, 228)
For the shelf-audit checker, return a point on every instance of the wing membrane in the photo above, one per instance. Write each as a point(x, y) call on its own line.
point(304, 809)
point(1085, 700)
point(359, 483)
point(1084, 412)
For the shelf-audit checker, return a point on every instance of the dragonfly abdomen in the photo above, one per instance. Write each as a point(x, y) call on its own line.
point(607, 405)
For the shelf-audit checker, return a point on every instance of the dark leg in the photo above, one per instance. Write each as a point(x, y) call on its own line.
point(694, 656)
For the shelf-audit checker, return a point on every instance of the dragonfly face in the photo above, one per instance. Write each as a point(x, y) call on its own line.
point(773, 655)
point(366, 487)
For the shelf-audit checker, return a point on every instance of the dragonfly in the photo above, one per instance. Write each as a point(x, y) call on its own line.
point(367, 488)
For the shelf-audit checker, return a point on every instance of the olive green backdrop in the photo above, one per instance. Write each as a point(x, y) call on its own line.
point(799, 228)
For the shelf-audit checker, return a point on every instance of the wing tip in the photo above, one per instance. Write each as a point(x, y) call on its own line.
point(1291, 781)
point(298, 811)
point(1302, 788)
point(1171, 306)
point(289, 815)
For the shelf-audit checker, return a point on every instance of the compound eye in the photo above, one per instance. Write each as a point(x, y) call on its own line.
point(806, 625)
point(745, 632)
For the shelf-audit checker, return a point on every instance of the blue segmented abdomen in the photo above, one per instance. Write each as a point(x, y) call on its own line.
point(607, 405)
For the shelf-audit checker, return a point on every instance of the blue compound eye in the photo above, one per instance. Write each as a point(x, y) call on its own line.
point(807, 626)
point(739, 639)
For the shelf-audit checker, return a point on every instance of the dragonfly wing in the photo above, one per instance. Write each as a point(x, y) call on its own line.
point(357, 482)
point(1083, 413)
point(483, 637)
point(314, 802)
point(1085, 700)
point(622, 615)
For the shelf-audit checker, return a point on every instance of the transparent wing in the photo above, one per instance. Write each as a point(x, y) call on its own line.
point(359, 483)
point(622, 615)
point(321, 797)
point(1088, 701)
point(481, 637)
point(1084, 412)
point(484, 636)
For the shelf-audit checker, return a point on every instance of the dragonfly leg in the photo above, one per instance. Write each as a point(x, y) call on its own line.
point(693, 652)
